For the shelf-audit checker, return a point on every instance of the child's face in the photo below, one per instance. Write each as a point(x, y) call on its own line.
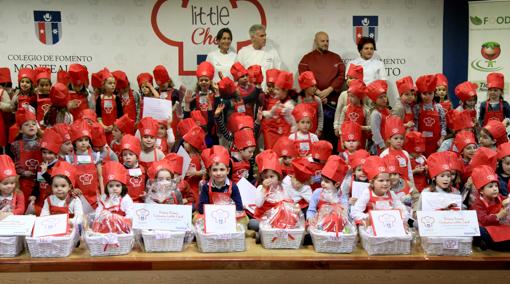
point(82, 144)
point(408, 98)
point(427, 97)
point(243, 80)
point(164, 86)
point(397, 141)
point(443, 180)
point(117, 134)
point(311, 90)
point(382, 100)
point(270, 175)
point(471, 103)
point(247, 153)
point(204, 83)
point(44, 86)
point(486, 140)
point(60, 187)
point(441, 91)
point(29, 128)
point(148, 141)
point(114, 188)
point(129, 158)
point(287, 160)
point(494, 94)
point(381, 184)
point(359, 174)
point(25, 84)
point(164, 175)
point(453, 176)
point(109, 85)
point(394, 179)
point(270, 88)
point(354, 99)
point(67, 148)
point(48, 156)
point(296, 184)
point(505, 165)
point(351, 145)
point(219, 172)
point(326, 183)
point(161, 130)
point(146, 91)
point(490, 190)
point(280, 93)
point(469, 151)
point(7, 186)
point(304, 124)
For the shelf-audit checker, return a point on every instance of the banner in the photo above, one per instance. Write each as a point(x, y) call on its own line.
point(135, 36)
point(489, 42)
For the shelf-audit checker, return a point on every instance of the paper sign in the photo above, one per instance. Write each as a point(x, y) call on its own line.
point(161, 217)
point(358, 188)
point(17, 225)
point(432, 201)
point(186, 160)
point(453, 223)
point(87, 209)
point(387, 223)
point(158, 109)
point(248, 194)
point(52, 225)
point(220, 219)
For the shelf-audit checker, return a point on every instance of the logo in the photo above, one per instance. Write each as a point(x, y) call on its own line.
point(475, 20)
point(429, 121)
point(206, 19)
point(135, 181)
point(427, 221)
point(48, 26)
point(354, 116)
point(46, 108)
point(490, 52)
point(32, 164)
point(142, 214)
point(86, 179)
point(364, 26)
point(8, 172)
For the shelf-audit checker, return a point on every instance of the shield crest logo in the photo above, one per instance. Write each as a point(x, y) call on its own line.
point(48, 26)
point(364, 26)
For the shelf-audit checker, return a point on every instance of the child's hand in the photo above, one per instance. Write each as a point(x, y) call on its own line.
point(419, 169)
point(267, 183)
point(505, 202)
point(502, 213)
point(31, 199)
point(188, 97)
point(259, 114)
point(76, 192)
point(44, 167)
point(184, 201)
point(409, 124)
point(219, 110)
point(192, 171)
point(28, 174)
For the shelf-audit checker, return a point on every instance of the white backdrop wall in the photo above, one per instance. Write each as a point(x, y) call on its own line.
point(122, 34)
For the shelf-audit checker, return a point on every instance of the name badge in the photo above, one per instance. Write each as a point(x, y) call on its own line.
point(203, 100)
point(382, 205)
point(304, 146)
point(135, 172)
point(108, 103)
point(402, 162)
point(427, 134)
point(158, 142)
point(84, 159)
point(420, 160)
point(241, 108)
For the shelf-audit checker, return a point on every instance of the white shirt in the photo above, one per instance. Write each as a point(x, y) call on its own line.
point(126, 204)
point(266, 57)
point(300, 136)
point(358, 209)
point(304, 193)
point(222, 62)
point(373, 69)
point(75, 208)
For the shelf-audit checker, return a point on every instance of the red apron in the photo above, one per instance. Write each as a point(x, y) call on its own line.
point(447, 106)
point(472, 113)
point(244, 93)
point(239, 170)
point(87, 180)
point(194, 182)
point(162, 145)
point(3, 126)
point(315, 106)
point(274, 128)
point(116, 147)
point(129, 104)
point(204, 103)
point(43, 106)
point(493, 115)
point(429, 125)
point(136, 185)
point(108, 114)
point(303, 146)
point(29, 161)
point(149, 164)
point(115, 209)
point(82, 103)
point(379, 202)
point(408, 116)
point(420, 180)
point(498, 233)
point(239, 106)
point(44, 192)
point(356, 114)
point(24, 100)
point(403, 162)
point(54, 210)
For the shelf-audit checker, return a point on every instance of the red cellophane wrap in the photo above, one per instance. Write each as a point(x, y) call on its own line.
point(286, 214)
point(108, 222)
point(331, 216)
point(163, 192)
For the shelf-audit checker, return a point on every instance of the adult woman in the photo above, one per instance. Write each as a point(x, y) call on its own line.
point(223, 57)
point(373, 68)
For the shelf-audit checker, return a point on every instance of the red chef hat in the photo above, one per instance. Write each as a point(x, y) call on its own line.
point(456, 162)
point(405, 85)
point(237, 70)
point(351, 131)
point(114, 171)
point(143, 78)
point(7, 167)
point(414, 142)
point(438, 162)
point(483, 175)
point(321, 150)
point(196, 138)
point(355, 71)
point(464, 138)
point(5, 75)
point(497, 130)
point(185, 125)
point(99, 138)
point(63, 168)
point(42, 73)
point(157, 166)
point(148, 126)
point(393, 126)
point(268, 160)
point(161, 75)
point(23, 115)
point(205, 69)
point(302, 169)
point(466, 90)
point(358, 158)
point(459, 119)
point(357, 88)
point(125, 124)
point(238, 121)
point(441, 80)
point(484, 156)
point(392, 164)
point(272, 75)
point(176, 162)
point(496, 80)
point(63, 77)
point(89, 114)
point(26, 73)
point(121, 80)
point(244, 138)
point(376, 89)
point(503, 150)
point(78, 75)
point(255, 74)
point(62, 130)
point(426, 84)
point(105, 74)
point(374, 166)
point(215, 154)
point(198, 117)
point(227, 86)
point(302, 111)
point(284, 80)
point(285, 147)
point(96, 80)
point(306, 80)
point(51, 140)
point(59, 95)
point(131, 143)
point(335, 169)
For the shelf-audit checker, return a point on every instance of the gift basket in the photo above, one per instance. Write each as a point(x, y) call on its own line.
point(375, 245)
point(11, 246)
point(215, 242)
point(454, 246)
point(163, 192)
point(53, 246)
point(109, 234)
point(331, 230)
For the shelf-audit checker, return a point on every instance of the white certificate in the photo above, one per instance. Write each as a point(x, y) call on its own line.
point(432, 201)
point(220, 219)
point(52, 225)
point(17, 225)
point(158, 109)
point(186, 160)
point(453, 223)
point(162, 217)
point(248, 194)
point(358, 188)
point(387, 223)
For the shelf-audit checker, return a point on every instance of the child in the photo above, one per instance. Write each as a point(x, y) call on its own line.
point(108, 105)
point(247, 94)
point(429, 117)
point(466, 92)
point(165, 139)
point(5, 103)
point(286, 151)
point(394, 132)
point(376, 91)
point(43, 101)
point(122, 126)
point(242, 159)
point(356, 162)
point(495, 108)
point(236, 122)
point(116, 198)
point(297, 186)
point(465, 143)
point(304, 114)
point(269, 99)
point(26, 151)
point(404, 110)
point(333, 175)
point(194, 144)
point(167, 91)
point(378, 196)
point(503, 169)
point(79, 96)
point(130, 149)
point(100, 145)
point(493, 134)
point(145, 90)
point(355, 72)
point(163, 186)
point(67, 147)
point(492, 211)
point(130, 100)
point(87, 163)
point(11, 200)
point(415, 146)
point(63, 180)
point(24, 94)
point(321, 150)
point(148, 130)
point(441, 95)
point(58, 113)
point(456, 121)
point(398, 185)
point(351, 137)
point(307, 83)
point(355, 110)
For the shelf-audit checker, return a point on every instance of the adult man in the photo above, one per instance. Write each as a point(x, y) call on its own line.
point(329, 71)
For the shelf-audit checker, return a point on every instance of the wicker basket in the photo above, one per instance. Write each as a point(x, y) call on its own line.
point(232, 242)
point(11, 246)
point(281, 238)
point(458, 246)
point(329, 242)
point(164, 241)
point(53, 246)
point(109, 244)
point(385, 245)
